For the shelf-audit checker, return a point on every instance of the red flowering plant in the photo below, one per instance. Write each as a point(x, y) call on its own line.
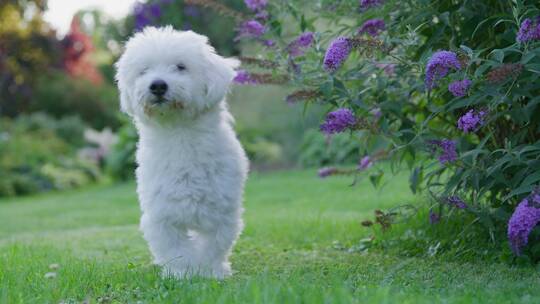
point(446, 89)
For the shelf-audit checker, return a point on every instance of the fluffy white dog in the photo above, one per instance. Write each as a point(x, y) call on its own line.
point(191, 167)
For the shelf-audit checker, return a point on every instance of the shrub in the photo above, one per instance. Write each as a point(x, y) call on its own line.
point(319, 150)
point(38, 153)
point(120, 162)
point(68, 128)
point(447, 89)
point(59, 95)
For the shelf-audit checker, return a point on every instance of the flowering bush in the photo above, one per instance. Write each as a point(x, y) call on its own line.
point(446, 89)
point(38, 153)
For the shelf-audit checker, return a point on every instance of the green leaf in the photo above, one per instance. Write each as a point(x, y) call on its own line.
point(531, 179)
point(375, 178)
point(519, 191)
point(498, 55)
point(416, 179)
point(303, 23)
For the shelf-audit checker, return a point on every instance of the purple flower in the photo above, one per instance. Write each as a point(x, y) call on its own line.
point(192, 11)
point(336, 54)
point(146, 14)
point(376, 112)
point(365, 163)
point(256, 5)
point(305, 39)
point(296, 48)
point(243, 77)
point(456, 201)
point(529, 30)
point(372, 27)
point(459, 88)
point(269, 43)
point(525, 218)
point(366, 4)
point(338, 121)
point(439, 65)
point(251, 28)
point(471, 121)
point(327, 171)
point(141, 20)
point(155, 10)
point(434, 218)
point(448, 150)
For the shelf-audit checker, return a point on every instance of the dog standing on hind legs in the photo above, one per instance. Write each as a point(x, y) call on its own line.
point(191, 167)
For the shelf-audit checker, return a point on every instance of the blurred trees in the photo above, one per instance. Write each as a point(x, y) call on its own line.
point(27, 47)
point(219, 29)
point(77, 47)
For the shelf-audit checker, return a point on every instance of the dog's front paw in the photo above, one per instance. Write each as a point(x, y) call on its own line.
point(218, 271)
point(221, 271)
point(177, 273)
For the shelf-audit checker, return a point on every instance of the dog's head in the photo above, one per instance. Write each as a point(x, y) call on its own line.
point(165, 73)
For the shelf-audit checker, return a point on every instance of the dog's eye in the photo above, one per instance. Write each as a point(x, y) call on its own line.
point(142, 72)
point(181, 67)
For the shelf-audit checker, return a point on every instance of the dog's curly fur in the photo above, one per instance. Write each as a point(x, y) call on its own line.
point(191, 167)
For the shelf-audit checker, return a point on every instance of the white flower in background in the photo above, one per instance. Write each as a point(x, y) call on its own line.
point(102, 143)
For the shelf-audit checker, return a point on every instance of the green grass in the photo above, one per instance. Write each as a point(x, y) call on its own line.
point(287, 253)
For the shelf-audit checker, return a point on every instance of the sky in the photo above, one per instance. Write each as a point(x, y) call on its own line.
point(60, 12)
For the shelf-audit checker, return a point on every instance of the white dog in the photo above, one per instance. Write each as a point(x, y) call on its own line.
point(191, 167)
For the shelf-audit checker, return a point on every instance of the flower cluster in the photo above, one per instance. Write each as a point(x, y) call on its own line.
point(529, 30)
point(365, 163)
point(367, 4)
point(525, 218)
point(447, 148)
point(246, 78)
point(336, 54)
point(243, 77)
point(338, 121)
point(256, 5)
point(146, 14)
point(434, 218)
point(459, 88)
point(327, 171)
point(296, 48)
point(372, 27)
point(439, 66)
point(471, 121)
point(456, 201)
point(251, 29)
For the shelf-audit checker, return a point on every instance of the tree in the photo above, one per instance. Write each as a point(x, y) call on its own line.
point(27, 47)
point(78, 47)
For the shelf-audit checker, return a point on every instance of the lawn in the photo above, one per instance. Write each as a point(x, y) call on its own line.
point(84, 246)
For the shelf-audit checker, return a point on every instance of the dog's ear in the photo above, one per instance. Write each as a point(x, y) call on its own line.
point(125, 103)
point(219, 75)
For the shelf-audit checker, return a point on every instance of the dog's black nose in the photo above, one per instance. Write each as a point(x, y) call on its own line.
point(158, 87)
